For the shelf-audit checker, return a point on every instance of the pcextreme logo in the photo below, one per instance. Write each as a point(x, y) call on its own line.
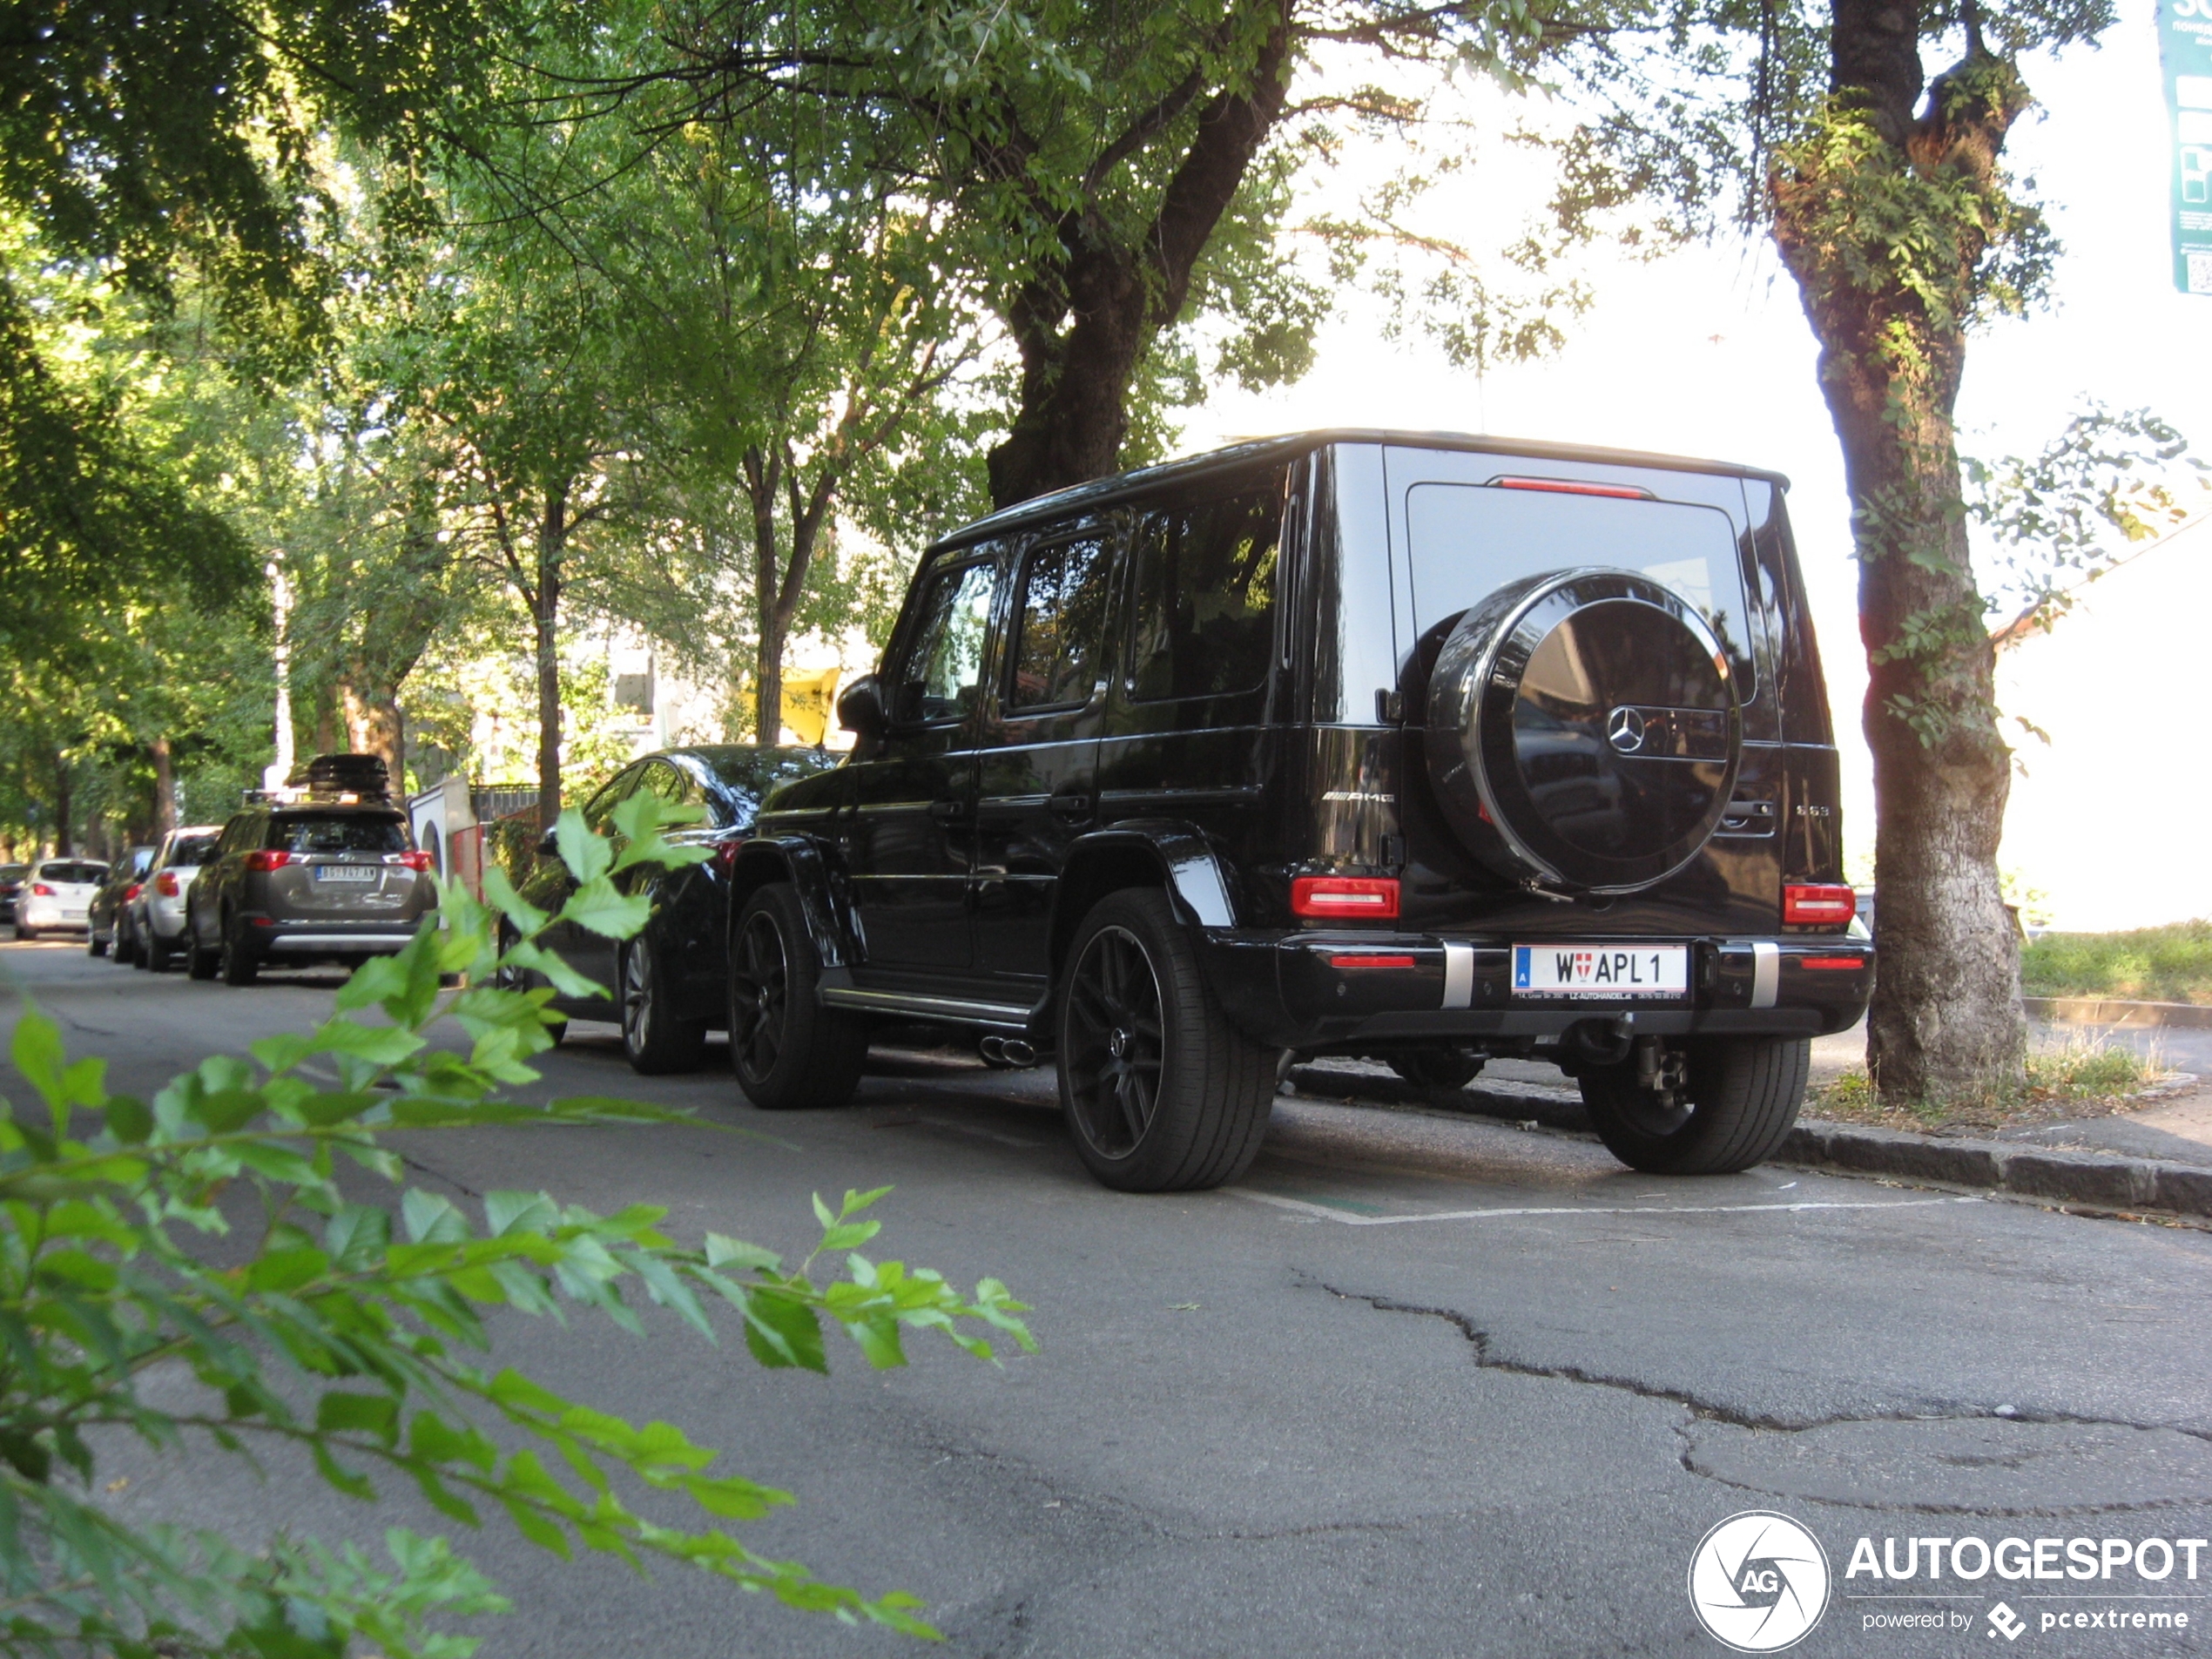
point(1758, 1582)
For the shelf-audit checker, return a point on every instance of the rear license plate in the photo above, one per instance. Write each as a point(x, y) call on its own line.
point(1600, 970)
point(347, 873)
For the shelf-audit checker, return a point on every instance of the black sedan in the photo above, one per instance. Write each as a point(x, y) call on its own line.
point(669, 981)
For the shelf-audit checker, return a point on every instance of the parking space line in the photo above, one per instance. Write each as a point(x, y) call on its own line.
point(1328, 1213)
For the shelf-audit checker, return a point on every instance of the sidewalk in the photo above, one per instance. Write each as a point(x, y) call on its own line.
point(2158, 1159)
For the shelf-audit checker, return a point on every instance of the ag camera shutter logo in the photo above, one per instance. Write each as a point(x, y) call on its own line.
point(1758, 1583)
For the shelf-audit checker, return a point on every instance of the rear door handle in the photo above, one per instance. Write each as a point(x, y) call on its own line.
point(1074, 809)
point(946, 811)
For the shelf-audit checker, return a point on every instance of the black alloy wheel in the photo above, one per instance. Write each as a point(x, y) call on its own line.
point(656, 1041)
point(788, 1050)
point(1161, 1092)
point(236, 961)
point(1739, 1101)
point(1112, 1042)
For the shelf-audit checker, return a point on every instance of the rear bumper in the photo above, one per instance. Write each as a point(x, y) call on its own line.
point(377, 937)
point(1307, 989)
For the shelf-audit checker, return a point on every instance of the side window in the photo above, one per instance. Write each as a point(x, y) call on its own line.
point(597, 809)
point(1059, 624)
point(944, 656)
point(664, 780)
point(1204, 587)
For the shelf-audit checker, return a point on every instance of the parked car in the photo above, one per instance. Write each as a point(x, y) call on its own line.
point(107, 919)
point(157, 915)
point(313, 883)
point(669, 982)
point(11, 877)
point(56, 896)
point(1423, 747)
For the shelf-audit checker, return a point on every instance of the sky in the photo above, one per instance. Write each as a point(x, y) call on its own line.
point(1705, 352)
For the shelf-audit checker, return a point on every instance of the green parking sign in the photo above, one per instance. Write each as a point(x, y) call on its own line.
point(2185, 44)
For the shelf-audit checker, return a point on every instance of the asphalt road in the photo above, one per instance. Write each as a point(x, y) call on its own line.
point(1421, 1385)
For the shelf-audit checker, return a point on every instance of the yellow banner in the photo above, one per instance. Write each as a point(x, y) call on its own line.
point(808, 702)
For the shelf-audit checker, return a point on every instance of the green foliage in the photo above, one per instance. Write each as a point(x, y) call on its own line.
point(2169, 964)
point(2103, 489)
point(355, 1333)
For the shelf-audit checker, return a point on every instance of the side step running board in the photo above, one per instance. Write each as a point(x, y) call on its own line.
point(953, 1010)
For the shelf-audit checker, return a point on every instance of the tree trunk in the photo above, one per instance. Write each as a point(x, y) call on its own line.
point(1882, 218)
point(164, 789)
point(552, 541)
point(1085, 323)
point(373, 727)
point(64, 808)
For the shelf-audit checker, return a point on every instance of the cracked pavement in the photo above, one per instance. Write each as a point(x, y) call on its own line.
point(1424, 1384)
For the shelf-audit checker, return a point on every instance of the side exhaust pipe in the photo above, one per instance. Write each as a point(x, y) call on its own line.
point(1008, 1054)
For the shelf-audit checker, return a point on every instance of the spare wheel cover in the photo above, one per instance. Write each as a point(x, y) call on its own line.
point(1584, 731)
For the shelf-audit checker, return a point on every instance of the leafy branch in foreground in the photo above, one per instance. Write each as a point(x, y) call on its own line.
point(353, 1331)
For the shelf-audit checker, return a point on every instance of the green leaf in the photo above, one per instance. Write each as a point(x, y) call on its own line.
point(342, 1412)
point(380, 1045)
point(129, 1119)
point(601, 907)
point(585, 853)
point(36, 1049)
point(567, 980)
point(723, 1251)
point(527, 919)
point(783, 1331)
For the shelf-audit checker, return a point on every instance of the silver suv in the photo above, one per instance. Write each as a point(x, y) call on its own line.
point(305, 884)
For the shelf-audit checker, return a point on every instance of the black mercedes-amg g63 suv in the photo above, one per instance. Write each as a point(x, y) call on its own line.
point(1422, 747)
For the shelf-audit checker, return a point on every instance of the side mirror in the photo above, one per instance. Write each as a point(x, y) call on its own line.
point(859, 708)
point(549, 845)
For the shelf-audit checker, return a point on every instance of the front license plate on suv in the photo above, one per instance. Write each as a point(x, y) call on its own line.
point(1600, 970)
point(346, 872)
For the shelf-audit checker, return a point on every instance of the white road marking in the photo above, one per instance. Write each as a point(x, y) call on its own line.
point(1327, 1213)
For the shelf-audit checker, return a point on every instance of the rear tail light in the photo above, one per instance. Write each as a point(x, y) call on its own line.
point(1819, 907)
point(1575, 487)
point(1371, 958)
point(726, 854)
point(267, 859)
point(133, 891)
point(40, 890)
point(1344, 895)
point(165, 885)
point(415, 861)
point(1831, 964)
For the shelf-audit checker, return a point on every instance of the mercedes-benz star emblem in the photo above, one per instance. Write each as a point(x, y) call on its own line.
point(1624, 730)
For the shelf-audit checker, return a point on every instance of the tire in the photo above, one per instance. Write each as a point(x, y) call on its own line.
point(94, 945)
point(1436, 1068)
point(1743, 1098)
point(200, 961)
point(654, 1040)
point(788, 1051)
point(1160, 1092)
point(24, 935)
point(156, 957)
point(236, 959)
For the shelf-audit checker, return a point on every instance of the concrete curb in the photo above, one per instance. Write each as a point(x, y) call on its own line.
point(2111, 1183)
point(2105, 1010)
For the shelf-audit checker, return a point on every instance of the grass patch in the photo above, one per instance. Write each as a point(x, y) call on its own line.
point(2079, 1077)
point(2169, 964)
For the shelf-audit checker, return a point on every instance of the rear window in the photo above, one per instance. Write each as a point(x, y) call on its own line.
point(12, 872)
point(73, 873)
point(1469, 540)
point(193, 850)
point(350, 834)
